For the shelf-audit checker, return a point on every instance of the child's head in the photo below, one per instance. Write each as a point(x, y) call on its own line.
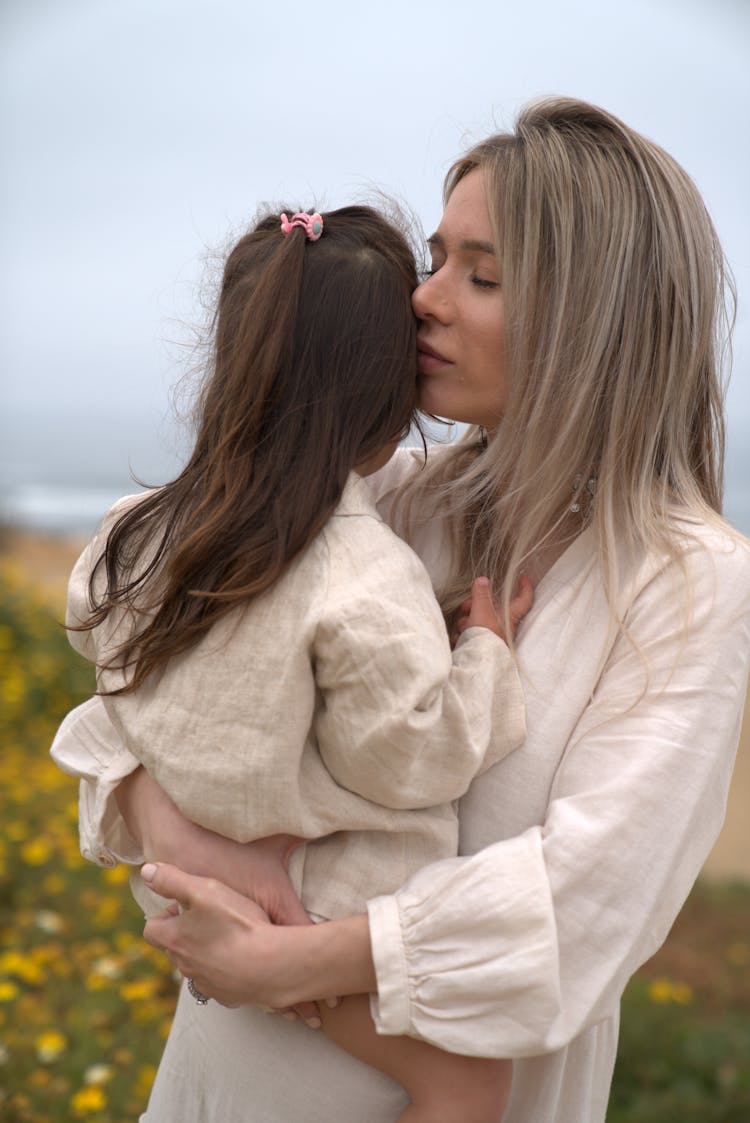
point(314, 362)
point(313, 372)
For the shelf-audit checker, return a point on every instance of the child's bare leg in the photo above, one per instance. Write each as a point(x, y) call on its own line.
point(442, 1087)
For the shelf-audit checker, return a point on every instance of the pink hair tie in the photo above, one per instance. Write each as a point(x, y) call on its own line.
point(312, 224)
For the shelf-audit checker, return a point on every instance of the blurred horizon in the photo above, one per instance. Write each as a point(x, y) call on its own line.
point(136, 140)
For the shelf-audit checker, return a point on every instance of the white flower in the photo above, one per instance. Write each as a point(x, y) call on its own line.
point(98, 1074)
point(49, 921)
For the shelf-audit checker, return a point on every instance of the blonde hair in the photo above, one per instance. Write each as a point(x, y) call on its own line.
point(613, 286)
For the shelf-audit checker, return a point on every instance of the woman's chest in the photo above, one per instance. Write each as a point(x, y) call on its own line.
point(560, 655)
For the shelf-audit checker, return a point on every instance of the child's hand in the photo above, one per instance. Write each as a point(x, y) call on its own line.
point(479, 610)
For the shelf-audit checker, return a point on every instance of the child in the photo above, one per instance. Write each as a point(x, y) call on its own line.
point(267, 648)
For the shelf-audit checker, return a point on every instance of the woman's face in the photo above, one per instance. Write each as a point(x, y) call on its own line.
point(460, 305)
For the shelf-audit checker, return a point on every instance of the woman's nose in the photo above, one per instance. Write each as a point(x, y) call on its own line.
point(428, 299)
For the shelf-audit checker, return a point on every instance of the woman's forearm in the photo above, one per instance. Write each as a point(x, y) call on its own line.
point(332, 958)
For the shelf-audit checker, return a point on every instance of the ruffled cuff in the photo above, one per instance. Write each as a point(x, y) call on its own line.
point(390, 1007)
point(87, 746)
point(466, 953)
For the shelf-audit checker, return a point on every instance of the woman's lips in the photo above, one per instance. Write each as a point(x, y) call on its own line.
point(430, 361)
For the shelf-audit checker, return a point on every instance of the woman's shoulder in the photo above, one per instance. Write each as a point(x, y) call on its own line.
point(710, 542)
point(705, 559)
point(403, 465)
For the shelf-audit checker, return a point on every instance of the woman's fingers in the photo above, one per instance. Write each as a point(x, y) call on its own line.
point(214, 939)
point(307, 1011)
point(170, 882)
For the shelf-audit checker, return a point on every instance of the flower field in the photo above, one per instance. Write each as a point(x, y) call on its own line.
point(85, 1004)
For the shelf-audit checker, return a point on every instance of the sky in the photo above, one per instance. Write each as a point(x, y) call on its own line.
point(138, 138)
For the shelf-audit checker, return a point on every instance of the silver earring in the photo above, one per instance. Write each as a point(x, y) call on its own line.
point(579, 492)
point(482, 443)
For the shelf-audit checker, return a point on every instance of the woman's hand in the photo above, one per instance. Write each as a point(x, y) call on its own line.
point(259, 869)
point(228, 945)
point(215, 934)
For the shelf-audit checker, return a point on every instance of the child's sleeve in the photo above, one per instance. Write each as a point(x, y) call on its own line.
point(87, 746)
point(404, 721)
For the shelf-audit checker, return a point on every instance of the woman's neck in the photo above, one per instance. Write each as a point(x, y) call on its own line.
point(545, 556)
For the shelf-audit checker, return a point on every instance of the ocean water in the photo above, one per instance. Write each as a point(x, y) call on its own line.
point(60, 477)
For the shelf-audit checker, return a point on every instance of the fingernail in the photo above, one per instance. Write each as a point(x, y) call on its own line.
point(148, 872)
point(484, 582)
point(313, 1023)
point(332, 1003)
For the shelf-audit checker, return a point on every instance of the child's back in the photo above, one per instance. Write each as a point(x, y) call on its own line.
point(330, 703)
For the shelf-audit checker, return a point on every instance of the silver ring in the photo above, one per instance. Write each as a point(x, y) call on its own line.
point(201, 999)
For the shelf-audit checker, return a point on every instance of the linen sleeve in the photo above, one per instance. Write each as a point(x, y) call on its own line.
point(405, 722)
point(87, 746)
point(517, 949)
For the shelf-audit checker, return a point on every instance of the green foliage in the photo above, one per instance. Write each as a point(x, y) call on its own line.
point(685, 1033)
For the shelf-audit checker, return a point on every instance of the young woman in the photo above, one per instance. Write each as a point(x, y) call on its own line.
point(573, 311)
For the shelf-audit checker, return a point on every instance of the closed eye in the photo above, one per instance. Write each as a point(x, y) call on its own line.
point(483, 283)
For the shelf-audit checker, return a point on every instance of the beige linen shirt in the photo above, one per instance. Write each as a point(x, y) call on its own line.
point(577, 853)
point(330, 706)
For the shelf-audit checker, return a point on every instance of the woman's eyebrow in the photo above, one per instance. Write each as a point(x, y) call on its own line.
point(471, 245)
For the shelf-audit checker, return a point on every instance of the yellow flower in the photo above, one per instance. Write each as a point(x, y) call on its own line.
point(49, 1045)
point(8, 991)
point(107, 910)
point(141, 989)
point(13, 687)
point(664, 990)
point(54, 883)
point(96, 982)
point(36, 852)
point(88, 1100)
point(23, 967)
point(118, 875)
point(146, 1077)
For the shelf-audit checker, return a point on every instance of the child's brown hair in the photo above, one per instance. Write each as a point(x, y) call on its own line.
point(313, 371)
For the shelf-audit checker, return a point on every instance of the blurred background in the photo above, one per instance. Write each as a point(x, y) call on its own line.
point(135, 141)
point(136, 138)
